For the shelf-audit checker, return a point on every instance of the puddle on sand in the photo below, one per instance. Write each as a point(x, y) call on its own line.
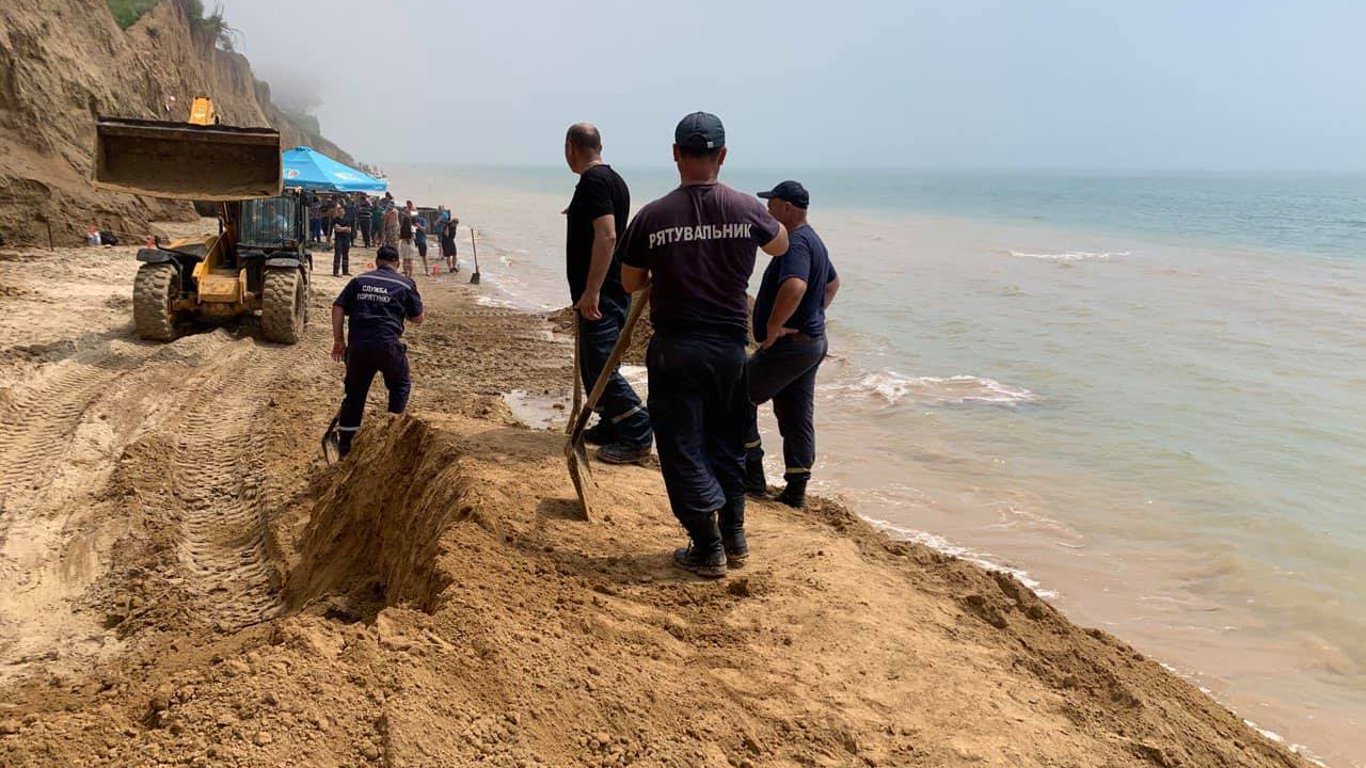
point(545, 409)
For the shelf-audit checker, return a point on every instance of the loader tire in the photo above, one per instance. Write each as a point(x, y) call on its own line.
point(155, 290)
point(284, 306)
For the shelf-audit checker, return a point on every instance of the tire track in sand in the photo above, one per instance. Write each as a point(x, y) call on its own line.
point(219, 476)
point(40, 419)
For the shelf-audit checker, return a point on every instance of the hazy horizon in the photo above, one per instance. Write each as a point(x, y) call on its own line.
point(1001, 86)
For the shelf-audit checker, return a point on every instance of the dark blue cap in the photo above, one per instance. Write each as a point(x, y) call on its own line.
point(386, 253)
point(791, 191)
point(700, 131)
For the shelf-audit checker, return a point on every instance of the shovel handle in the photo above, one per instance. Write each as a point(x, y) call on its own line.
point(638, 301)
point(578, 379)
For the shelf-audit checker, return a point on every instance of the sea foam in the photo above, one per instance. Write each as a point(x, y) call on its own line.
point(1071, 255)
point(894, 387)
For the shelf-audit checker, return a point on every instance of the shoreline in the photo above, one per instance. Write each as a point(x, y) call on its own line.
point(505, 631)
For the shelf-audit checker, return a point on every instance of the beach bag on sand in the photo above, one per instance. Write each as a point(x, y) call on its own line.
point(107, 238)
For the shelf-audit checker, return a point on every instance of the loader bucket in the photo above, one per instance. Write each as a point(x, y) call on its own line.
point(186, 162)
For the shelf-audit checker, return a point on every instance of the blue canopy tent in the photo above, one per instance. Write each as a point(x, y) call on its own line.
point(307, 168)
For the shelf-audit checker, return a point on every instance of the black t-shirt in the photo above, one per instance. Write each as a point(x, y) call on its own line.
point(698, 242)
point(807, 260)
point(378, 302)
point(601, 191)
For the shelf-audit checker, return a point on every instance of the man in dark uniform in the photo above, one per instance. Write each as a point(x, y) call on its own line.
point(378, 302)
point(789, 324)
point(341, 241)
point(695, 248)
point(596, 216)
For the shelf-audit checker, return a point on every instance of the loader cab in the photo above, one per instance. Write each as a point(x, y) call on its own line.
point(271, 224)
point(261, 233)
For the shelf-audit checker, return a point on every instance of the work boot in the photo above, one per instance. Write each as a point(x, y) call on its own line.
point(732, 524)
point(794, 495)
point(602, 433)
point(704, 555)
point(623, 453)
point(755, 483)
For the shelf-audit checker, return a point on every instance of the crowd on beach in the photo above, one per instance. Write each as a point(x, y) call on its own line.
point(341, 221)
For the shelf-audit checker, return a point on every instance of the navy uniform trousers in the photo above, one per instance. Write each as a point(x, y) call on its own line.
point(341, 253)
point(698, 405)
point(786, 374)
point(362, 363)
point(620, 406)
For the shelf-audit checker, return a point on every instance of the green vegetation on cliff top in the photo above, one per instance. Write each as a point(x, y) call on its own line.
point(126, 12)
point(210, 26)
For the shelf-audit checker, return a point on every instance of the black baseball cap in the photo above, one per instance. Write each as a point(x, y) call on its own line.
point(791, 191)
point(701, 131)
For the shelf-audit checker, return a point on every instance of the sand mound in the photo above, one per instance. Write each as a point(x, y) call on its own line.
point(376, 532)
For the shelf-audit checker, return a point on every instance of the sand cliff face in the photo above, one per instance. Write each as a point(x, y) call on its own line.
point(62, 63)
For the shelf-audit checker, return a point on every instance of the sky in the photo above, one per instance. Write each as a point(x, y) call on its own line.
point(1158, 85)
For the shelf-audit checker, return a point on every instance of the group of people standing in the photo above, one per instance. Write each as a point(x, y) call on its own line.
point(695, 249)
point(343, 220)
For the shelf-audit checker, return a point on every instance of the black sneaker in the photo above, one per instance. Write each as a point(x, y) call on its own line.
point(602, 433)
point(623, 453)
point(709, 564)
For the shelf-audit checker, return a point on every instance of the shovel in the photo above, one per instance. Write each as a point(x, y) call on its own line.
point(575, 448)
point(474, 278)
point(332, 440)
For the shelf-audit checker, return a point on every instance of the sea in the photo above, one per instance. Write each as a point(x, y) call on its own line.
point(1144, 395)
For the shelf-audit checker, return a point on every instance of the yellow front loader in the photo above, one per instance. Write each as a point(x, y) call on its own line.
point(256, 265)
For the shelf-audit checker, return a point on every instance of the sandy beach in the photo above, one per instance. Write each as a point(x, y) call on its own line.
point(434, 601)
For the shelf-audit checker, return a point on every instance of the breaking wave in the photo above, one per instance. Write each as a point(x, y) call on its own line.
point(1071, 255)
point(894, 387)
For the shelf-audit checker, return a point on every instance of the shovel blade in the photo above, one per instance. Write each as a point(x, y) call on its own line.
point(474, 279)
point(576, 453)
point(331, 443)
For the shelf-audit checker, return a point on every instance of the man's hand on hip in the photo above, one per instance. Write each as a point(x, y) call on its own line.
point(774, 334)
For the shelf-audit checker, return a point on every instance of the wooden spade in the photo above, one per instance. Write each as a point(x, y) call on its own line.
point(575, 449)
